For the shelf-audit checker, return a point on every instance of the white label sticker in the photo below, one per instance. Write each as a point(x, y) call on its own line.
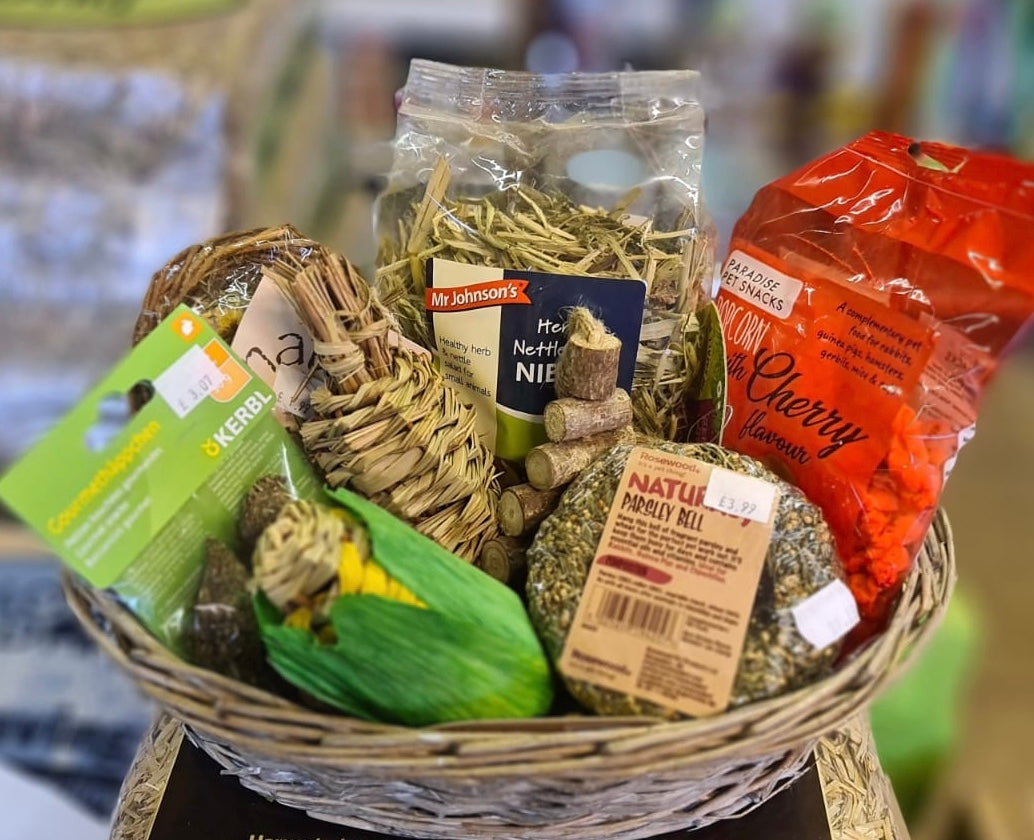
point(760, 284)
point(826, 616)
point(964, 436)
point(187, 381)
point(276, 345)
point(740, 495)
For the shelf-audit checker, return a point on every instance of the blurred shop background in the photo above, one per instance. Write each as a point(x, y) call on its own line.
point(129, 131)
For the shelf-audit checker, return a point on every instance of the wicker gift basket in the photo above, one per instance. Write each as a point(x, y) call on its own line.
point(565, 777)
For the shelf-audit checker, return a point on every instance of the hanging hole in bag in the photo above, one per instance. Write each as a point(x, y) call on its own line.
point(114, 411)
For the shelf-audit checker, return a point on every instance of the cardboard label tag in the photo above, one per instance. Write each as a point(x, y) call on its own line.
point(666, 605)
point(277, 346)
point(498, 334)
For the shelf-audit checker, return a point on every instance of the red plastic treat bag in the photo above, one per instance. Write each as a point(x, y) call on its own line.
point(866, 301)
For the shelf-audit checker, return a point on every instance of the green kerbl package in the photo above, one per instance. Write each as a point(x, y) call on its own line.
point(128, 499)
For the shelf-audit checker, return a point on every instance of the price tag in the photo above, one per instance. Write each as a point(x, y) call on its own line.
point(964, 436)
point(826, 616)
point(740, 495)
point(187, 381)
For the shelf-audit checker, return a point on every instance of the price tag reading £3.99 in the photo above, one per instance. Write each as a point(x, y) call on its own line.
point(188, 380)
point(740, 495)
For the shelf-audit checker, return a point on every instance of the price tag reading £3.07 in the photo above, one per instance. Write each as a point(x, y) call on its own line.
point(740, 495)
point(188, 380)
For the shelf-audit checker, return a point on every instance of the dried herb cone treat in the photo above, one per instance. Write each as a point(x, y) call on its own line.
point(222, 633)
point(262, 504)
point(385, 422)
point(801, 560)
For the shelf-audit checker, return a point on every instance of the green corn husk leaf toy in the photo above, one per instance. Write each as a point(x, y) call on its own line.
point(410, 633)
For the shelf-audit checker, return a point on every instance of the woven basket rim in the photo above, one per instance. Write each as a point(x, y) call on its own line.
point(218, 706)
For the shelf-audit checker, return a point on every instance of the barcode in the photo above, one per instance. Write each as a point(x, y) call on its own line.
point(628, 613)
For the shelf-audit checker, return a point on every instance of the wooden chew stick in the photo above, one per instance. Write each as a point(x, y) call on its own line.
point(588, 364)
point(569, 418)
point(555, 464)
point(523, 507)
point(504, 558)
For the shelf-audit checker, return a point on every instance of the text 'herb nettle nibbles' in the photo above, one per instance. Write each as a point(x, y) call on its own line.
point(514, 197)
point(683, 579)
point(385, 422)
point(389, 625)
